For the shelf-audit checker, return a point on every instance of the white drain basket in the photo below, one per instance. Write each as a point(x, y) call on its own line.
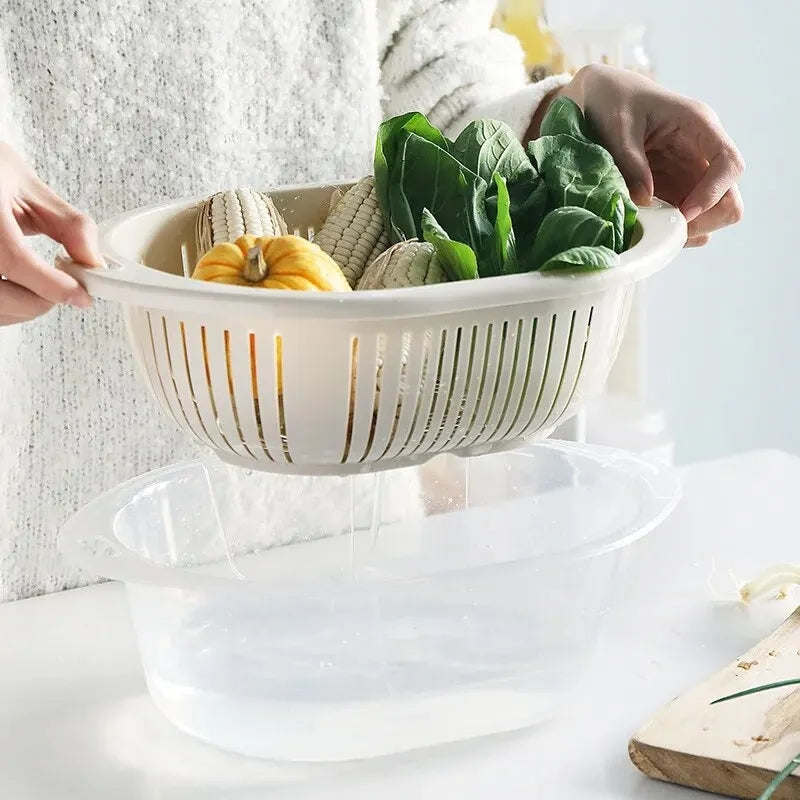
point(335, 383)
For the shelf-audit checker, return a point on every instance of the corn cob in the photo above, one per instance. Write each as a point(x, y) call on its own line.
point(353, 235)
point(409, 263)
point(336, 196)
point(227, 215)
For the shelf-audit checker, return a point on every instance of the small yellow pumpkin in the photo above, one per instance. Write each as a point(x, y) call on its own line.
point(269, 262)
point(272, 262)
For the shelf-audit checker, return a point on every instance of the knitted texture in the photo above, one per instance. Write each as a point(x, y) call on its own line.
point(118, 103)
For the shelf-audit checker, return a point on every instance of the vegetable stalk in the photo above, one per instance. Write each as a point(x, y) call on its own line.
point(772, 580)
point(255, 267)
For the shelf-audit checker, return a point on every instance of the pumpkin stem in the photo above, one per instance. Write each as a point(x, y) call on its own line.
point(255, 268)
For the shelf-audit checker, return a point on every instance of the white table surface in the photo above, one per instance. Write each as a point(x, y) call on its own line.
point(76, 722)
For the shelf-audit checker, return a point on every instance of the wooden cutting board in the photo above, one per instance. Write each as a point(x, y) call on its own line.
point(733, 748)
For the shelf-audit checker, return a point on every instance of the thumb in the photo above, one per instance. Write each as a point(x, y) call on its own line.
point(76, 231)
point(632, 162)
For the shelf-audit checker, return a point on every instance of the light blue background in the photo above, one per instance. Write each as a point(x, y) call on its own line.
point(722, 322)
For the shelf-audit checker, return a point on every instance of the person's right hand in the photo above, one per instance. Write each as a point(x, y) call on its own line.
point(31, 287)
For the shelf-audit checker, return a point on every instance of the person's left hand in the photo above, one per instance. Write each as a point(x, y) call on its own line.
point(665, 145)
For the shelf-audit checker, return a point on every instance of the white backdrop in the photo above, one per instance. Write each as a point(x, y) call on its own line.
point(722, 335)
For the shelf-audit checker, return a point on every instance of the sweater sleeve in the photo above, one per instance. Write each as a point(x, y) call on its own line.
point(9, 129)
point(442, 57)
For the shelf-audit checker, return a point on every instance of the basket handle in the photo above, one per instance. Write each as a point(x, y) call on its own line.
point(120, 281)
point(663, 222)
point(102, 555)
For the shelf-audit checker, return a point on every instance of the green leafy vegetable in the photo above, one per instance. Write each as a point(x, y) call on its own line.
point(424, 175)
point(427, 176)
point(600, 184)
point(528, 206)
point(458, 258)
point(617, 214)
point(566, 228)
point(565, 116)
point(528, 209)
point(582, 258)
point(580, 173)
point(487, 147)
point(392, 135)
point(504, 258)
point(490, 208)
point(490, 148)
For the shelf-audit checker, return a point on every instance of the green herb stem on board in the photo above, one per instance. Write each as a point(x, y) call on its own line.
point(781, 776)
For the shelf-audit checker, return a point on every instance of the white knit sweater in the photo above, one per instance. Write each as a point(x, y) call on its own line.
point(119, 103)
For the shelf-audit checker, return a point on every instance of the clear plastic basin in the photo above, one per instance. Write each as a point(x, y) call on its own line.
point(326, 619)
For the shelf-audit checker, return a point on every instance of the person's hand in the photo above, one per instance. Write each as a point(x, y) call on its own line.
point(30, 287)
point(665, 145)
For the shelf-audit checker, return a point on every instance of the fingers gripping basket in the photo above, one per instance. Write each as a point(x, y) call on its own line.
point(312, 383)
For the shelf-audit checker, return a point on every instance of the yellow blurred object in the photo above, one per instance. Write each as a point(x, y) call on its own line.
point(525, 19)
point(564, 41)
